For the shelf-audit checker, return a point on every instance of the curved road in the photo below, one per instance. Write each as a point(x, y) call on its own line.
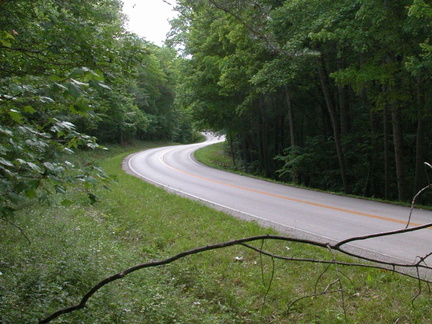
point(296, 212)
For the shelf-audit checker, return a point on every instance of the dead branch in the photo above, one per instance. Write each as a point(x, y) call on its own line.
point(339, 281)
point(18, 228)
point(326, 291)
point(378, 264)
point(262, 273)
point(429, 186)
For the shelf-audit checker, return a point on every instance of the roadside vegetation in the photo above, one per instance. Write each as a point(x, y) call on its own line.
point(216, 156)
point(67, 250)
point(331, 95)
point(300, 101)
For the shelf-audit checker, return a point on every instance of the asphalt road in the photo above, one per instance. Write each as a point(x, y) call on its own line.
point(326, 218)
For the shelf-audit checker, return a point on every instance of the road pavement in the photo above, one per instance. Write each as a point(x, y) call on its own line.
point(301, 213)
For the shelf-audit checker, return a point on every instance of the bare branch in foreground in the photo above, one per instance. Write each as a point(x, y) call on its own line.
point(429, 186)
point(18, 228)
point(335, 247)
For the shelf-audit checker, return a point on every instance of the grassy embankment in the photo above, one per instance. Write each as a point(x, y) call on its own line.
point(73, 248)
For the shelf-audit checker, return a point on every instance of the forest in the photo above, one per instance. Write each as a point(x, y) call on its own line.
point(333, 95)
point(72, 77)
point(326, 94)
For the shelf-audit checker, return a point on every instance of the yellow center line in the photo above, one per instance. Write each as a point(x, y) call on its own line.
point(293, 199)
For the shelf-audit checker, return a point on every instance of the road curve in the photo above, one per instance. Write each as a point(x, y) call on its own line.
point(301, 213)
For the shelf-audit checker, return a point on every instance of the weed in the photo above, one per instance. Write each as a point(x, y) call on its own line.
point(72, 248)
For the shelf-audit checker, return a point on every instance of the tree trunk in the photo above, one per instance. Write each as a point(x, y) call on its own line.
point(403, 192)
point(343, 104)
point(231, 146)
point(293, 142)
point(264, 138)
point(325, 85)
point(386, 154)
point(420, 174)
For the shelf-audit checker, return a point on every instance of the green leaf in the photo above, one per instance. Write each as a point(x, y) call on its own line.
point(13, 197)
point(6, 162)
point(93, 198)
point(99, 86)
point(5, 34)
point(74, 89)
point(34, 184)
point(6, 131)
point(7, 211)
point(34, 167)
point(16, 89)
point(66, 203)
point(45, 99)
point(69, 164)
point(16, 116)
point(60, 86)
point(60, 189)
point(29, 109)
point(5, 42)
point(31, 193)
point(49, 166)
point(5, 39)
point(82, 105)
point(87, 74)
point(61, 125)
point(55, 78)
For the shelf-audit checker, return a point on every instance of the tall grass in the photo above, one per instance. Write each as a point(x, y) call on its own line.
point(73, 248)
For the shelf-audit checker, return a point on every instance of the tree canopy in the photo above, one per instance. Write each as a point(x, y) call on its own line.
point(71, 75)
point(330, 95)
point(327, 94)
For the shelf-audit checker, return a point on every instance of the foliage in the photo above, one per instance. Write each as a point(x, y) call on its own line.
point(215, 156)
point(31, 168)
point(69, 73)
point(73, 248)
point(278, 75)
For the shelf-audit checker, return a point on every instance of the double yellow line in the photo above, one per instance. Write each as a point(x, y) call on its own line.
point(290, 199)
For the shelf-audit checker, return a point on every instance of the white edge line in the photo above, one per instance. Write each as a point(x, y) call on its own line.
point(171, 189)
point(234, 212)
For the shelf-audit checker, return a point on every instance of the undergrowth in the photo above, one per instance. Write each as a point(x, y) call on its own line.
point(72, 248)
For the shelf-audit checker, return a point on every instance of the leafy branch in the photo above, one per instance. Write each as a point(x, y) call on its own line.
point(254, 30)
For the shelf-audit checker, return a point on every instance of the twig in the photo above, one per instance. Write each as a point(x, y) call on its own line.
point(271, 278)
point(18, 228)
point(382, 234)
point(413, 203)
point(324, 292)
point(348, 264)
point(243, 242)
point(128, 271)
point(340, 284)
point(321, 275)
point(419, 193)
point(421, 264)
point(261, 263)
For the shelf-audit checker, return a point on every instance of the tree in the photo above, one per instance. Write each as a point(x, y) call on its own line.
point(337, 72)
point(47, 76)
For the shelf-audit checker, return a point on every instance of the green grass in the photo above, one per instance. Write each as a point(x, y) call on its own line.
point(215, 156)
point(75, 247)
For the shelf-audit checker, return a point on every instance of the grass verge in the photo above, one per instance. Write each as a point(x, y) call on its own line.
point(215, 156)
point(73, 248)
